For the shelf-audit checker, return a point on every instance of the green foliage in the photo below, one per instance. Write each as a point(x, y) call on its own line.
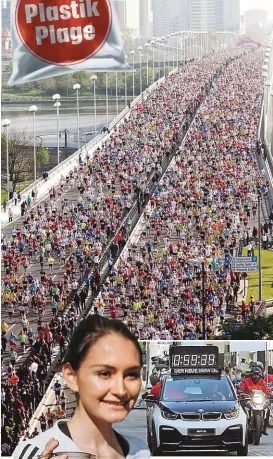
point(20, 158)
point(63, 84)
point(42, 154)
point(254, 329)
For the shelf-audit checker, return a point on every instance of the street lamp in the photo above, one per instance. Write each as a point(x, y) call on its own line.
point(184, 41)
point(125, 84)
point(33, 109)
point(133, 57)
point(267, 87)
point(159, 58)
point(197, 35)
point(202, 39)
point(140, 68)
point(181, 36)
point(260, 245)
point(177, 50)
point(117, 92)
point(163, 39)
point(153, 43)
point(57, 105)
point(76, 87)
point(173, 49)
point(94, 79)
point(5, 124)
point(147, 50)
point(106, 96)
point(168, 51)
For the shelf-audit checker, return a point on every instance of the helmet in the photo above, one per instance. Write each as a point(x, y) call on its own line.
point(257, 372)
point(259, 365)
point(154, 379)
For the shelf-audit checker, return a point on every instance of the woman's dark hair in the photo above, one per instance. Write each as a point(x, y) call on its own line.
point(88, 332)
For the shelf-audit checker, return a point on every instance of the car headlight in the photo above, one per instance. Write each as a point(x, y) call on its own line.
point(232, 413)
point(168, 415)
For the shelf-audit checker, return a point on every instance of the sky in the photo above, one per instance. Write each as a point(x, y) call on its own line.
point(132, 9)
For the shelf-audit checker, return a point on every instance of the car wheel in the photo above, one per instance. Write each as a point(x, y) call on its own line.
point(155, 450)
point(250, 437)
point(244, 450)
point(149, 440)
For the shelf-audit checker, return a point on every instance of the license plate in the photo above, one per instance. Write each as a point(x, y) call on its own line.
point(200, 432)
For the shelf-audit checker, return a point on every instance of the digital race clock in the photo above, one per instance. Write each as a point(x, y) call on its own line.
point(194, 360)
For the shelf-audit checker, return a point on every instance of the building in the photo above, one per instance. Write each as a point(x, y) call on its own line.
point(256, 22)
point(232, 17)
point(256, 18)
point(5, 12)
point(209, 15)
point(120, 6)
point(6, 43)
point(167, 16)
point(161, 17)
point(145, 30)
point(201, 14)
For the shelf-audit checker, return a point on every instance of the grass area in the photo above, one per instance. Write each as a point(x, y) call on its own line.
point(267, 277)
point(34, 92)
point(19, 187)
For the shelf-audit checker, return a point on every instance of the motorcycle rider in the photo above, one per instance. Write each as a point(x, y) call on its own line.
point(255, 381)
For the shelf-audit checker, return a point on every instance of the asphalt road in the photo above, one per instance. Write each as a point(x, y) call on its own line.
point(34, 269)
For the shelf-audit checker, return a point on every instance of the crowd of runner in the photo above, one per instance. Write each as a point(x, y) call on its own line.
point(198, 212)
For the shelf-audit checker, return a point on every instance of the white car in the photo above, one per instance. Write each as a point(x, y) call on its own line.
point(196, 414)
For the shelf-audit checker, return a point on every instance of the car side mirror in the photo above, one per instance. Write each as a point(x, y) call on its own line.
point(150, 398)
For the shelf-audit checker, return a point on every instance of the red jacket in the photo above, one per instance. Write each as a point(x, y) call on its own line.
point(155, 391)
point(247, 386)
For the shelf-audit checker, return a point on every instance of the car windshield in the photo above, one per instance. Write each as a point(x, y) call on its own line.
point(197, 390)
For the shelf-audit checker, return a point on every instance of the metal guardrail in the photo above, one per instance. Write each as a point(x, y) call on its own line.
point(266, 163)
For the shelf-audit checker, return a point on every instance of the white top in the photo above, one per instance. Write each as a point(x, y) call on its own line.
point(33, 447)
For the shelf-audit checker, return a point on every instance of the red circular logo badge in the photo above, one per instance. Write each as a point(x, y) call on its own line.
point(63, 32)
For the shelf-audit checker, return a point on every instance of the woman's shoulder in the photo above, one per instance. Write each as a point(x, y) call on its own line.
point(138, 449)
point(33, 447)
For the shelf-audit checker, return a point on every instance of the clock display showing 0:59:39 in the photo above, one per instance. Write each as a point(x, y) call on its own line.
point(193, 360)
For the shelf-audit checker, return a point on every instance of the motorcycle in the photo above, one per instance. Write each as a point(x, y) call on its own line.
point(256, 407)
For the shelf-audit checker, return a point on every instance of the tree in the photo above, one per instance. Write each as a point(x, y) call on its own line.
point(83, 78)
point(21, 162)
point(42, 154)
point(47, 85)
point(253, 328)
point(64, 83)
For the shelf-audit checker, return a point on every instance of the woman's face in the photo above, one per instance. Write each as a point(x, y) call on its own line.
point(108, 380)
